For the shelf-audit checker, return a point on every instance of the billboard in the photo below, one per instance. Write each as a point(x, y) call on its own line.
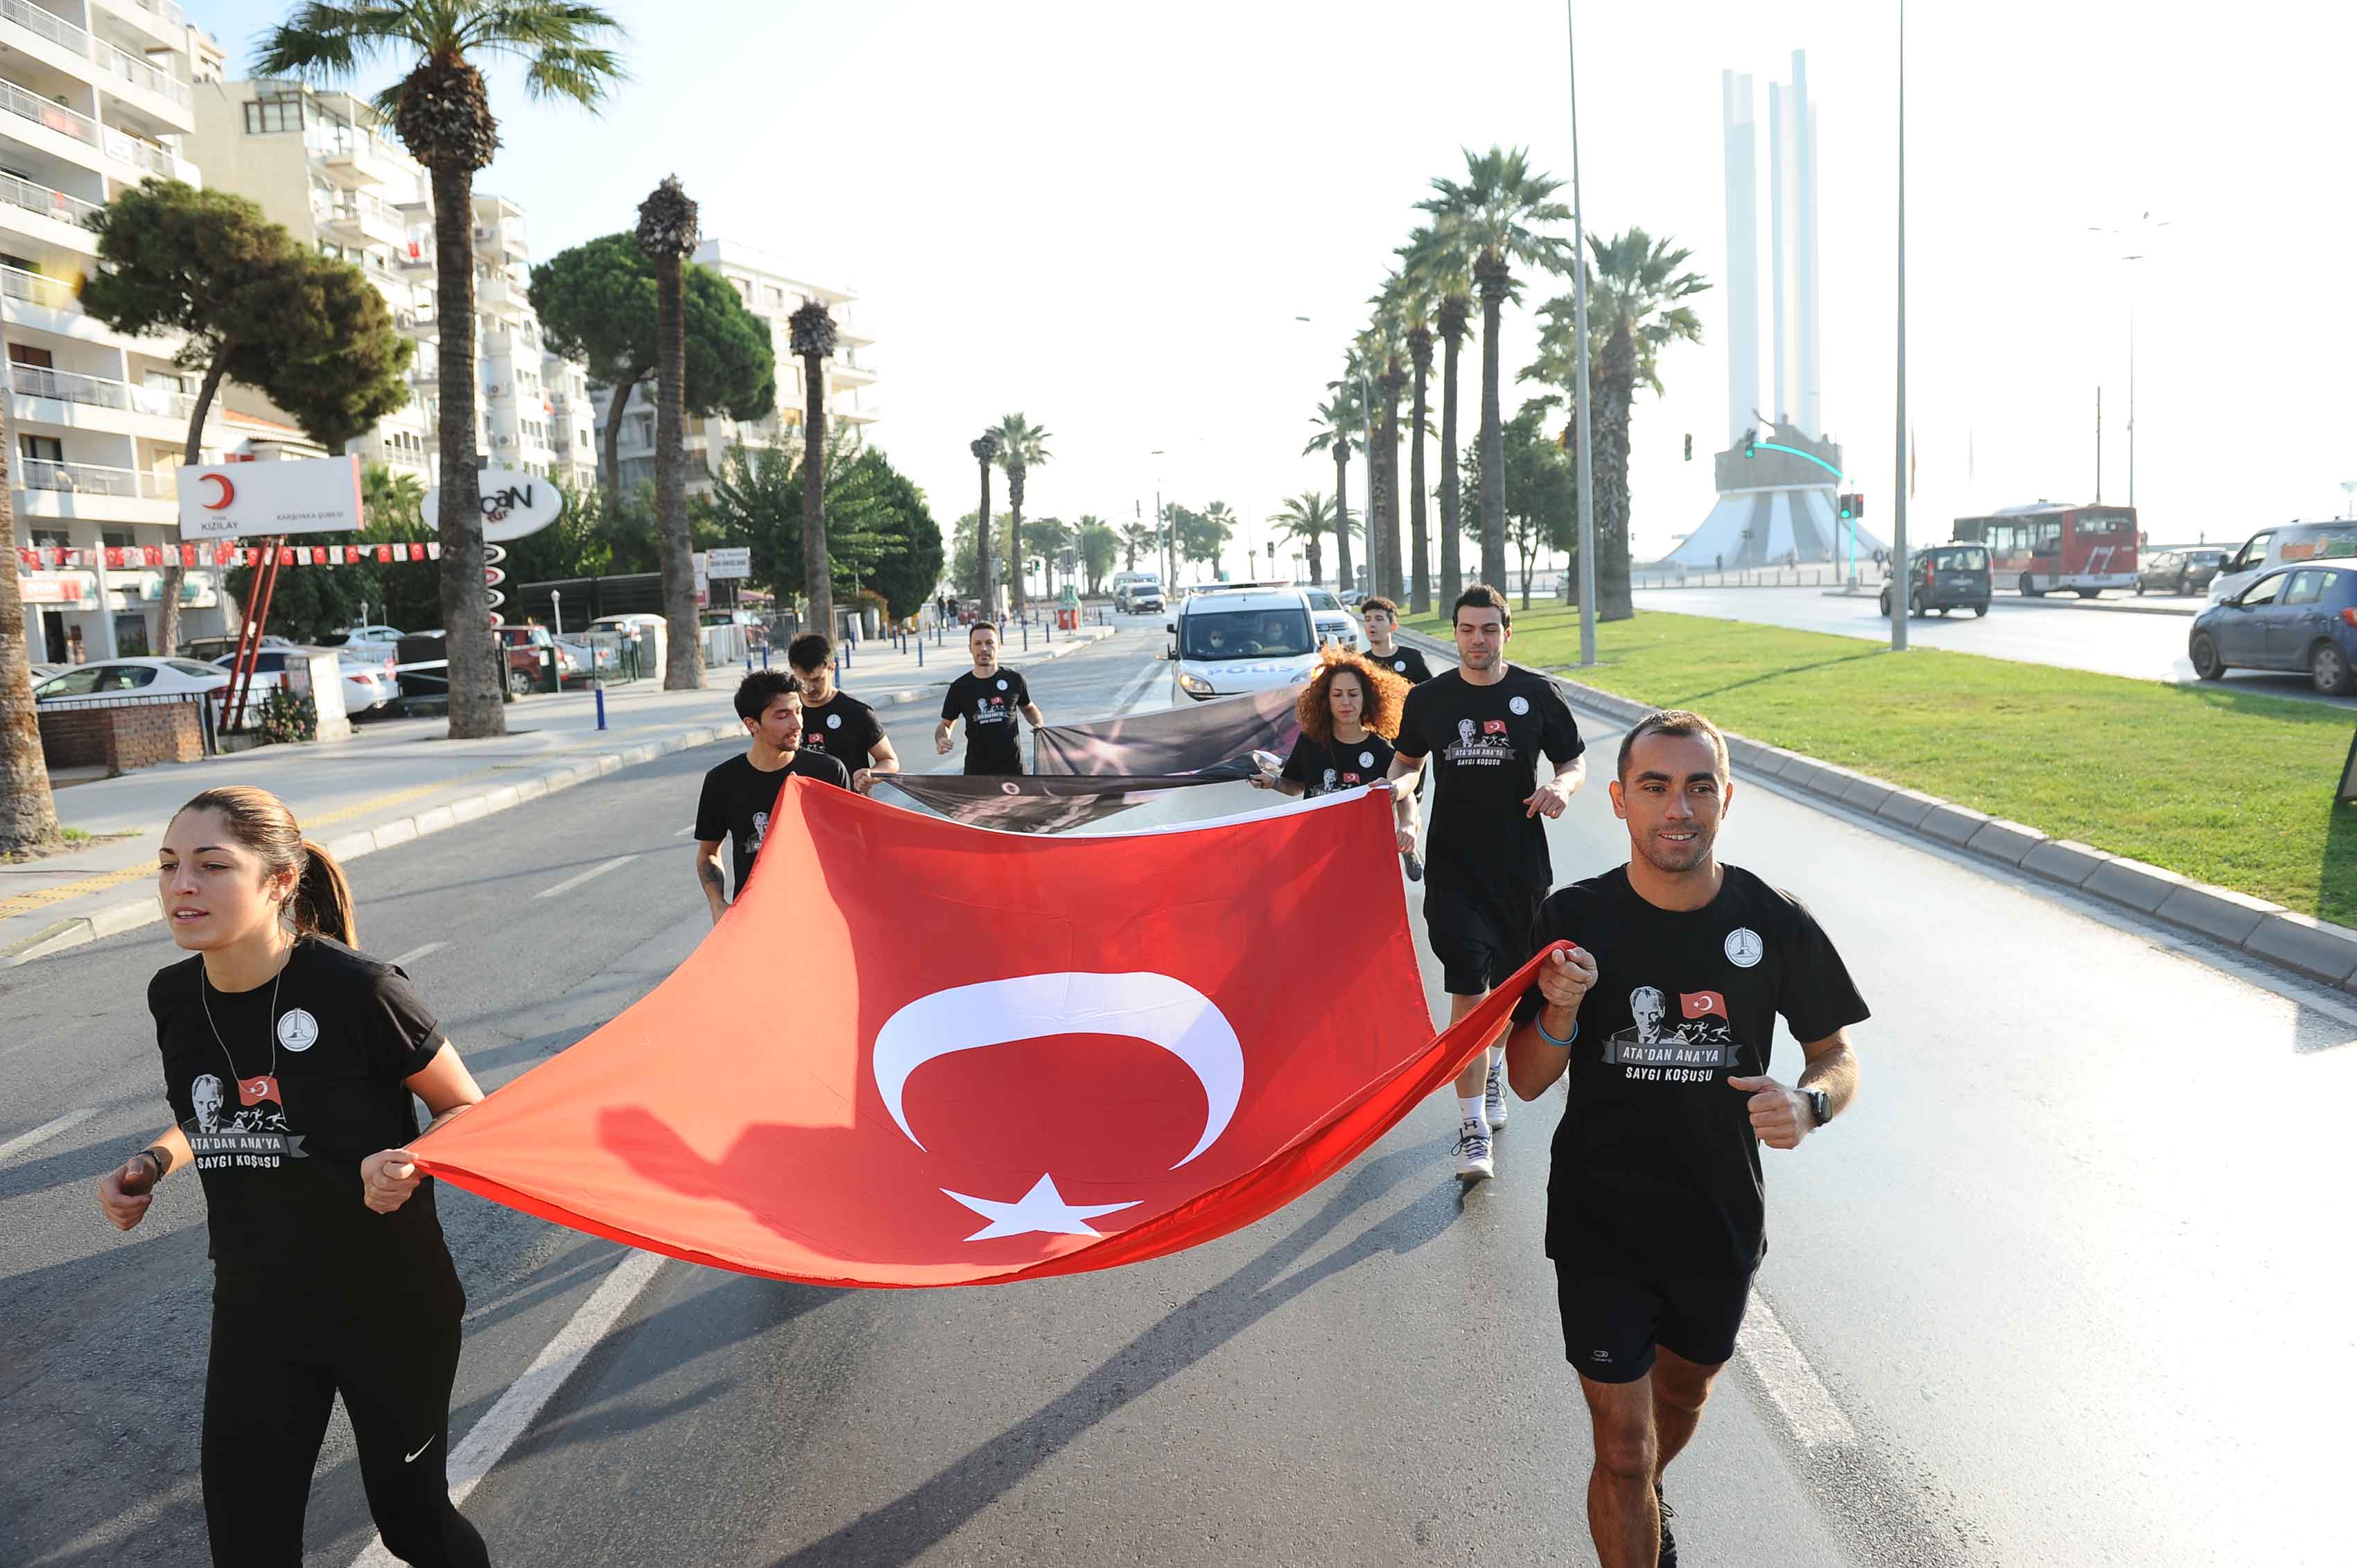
point(248, 501)
point(513, 504)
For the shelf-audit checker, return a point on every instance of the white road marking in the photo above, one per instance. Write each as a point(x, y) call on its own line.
point(492, 1436)
point(1132, 700)
point(685, 831)
point(1792, 1384)
point(570, 883)
point(413, 954)
point(24, 1141)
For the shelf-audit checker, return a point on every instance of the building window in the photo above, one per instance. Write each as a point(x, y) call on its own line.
point(278, 112)
point(43, 448)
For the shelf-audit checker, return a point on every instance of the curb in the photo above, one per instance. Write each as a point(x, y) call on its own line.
point(2308, 947)
point(2115, 607)
point(118, 918)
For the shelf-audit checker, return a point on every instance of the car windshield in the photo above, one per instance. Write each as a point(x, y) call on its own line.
point(1246, 634)
point(1962, 559)
point(1324, 601)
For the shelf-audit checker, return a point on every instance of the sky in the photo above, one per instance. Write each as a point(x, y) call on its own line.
point(1109, 218)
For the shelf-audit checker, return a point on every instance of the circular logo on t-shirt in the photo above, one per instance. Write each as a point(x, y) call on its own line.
point(298, 1030)
point(1010, 789)
point(1400, 665)
point(1366, 759)
point(1002, 686)
point(1518, 706)
point(835, 721)
point(1744, 947)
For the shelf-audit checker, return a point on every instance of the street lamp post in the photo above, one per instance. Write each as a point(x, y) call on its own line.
point(1898, 481)
point(1579, 327)
point(2349, 488)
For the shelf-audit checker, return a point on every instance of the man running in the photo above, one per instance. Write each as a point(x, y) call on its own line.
point(987, 698)
point(740, 794)
point(843, 727)
point(1655, 1205)
point(1381, 618)
point(1484, 723)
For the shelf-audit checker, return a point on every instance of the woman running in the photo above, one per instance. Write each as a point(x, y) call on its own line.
point(289, 1061)
point(1349, 713)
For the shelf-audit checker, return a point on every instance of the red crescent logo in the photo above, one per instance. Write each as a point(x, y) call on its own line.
point(228, 491)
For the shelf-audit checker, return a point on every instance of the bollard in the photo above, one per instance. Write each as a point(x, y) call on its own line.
point(848, 649)
point(920, 652)
point(600, 687)
point(1026, 634)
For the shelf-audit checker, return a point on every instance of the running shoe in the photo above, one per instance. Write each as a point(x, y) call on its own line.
point(1493, 1098)
point(1473, 1161)
point(1669, 1558)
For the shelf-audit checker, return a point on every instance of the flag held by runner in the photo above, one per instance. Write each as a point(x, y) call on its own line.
point(1000, 1055)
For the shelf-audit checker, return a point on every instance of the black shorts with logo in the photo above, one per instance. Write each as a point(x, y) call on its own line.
point(1480, 937)
point(1612, 1323)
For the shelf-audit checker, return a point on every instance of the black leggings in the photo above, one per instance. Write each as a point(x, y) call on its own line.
point(265, 1414)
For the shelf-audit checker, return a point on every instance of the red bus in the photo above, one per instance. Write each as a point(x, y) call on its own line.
point(2046, 546)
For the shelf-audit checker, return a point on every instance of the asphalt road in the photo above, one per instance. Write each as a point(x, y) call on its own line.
point(2066, 1286)
point(2146, 647)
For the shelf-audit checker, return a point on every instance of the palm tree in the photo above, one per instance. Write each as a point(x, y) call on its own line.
point(1222, 521)
point(442, 115)
point(1022, 446)
point(811, 338)
point(28, 812)
point(1307, 516)
point(1337, 419)
point(1100, 542)
point(1445, 275)
point(1135, 537)
point(984, 448)
point(667, 237)
point(1422, 296)
point(1383, 347)
point(1493, 217)
point(1634, 285)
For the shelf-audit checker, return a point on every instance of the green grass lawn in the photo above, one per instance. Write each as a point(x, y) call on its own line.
point(2230, 786)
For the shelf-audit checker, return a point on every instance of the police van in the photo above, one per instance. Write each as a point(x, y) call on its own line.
point(1228, 641)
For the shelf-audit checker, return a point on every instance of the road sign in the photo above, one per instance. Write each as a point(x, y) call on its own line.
point(243, 501)
point(734, 563)
point(513, 504)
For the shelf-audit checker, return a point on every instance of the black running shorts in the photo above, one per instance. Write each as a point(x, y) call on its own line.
point(1611, 1322)
point(1480, 937)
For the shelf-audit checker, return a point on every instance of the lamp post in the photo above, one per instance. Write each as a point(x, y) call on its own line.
point(2140, 235)
point(2349, 488)
point(1579, 328)
point(1899, 480)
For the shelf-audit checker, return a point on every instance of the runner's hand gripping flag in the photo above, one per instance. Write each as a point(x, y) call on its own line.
point(920, 1053)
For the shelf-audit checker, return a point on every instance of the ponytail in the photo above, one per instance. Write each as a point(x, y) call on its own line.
point(322, 904)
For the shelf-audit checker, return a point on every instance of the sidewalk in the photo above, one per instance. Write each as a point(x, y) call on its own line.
point(398, 779)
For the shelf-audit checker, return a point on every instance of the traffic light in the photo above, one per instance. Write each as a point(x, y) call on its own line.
point(1853, 506)
point(1689, 448)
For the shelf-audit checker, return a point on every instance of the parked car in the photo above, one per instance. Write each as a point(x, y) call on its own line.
point(641, 630)
point(2285, 546)
point(529, 649)
point(269, 667)
point(206, 650)
point(1335, 622)
point(1229, 641)
point(364, 639)
point(146, 675)
point(2181, 571)
point(1945, 578)
point(369, 682)
point(2292, 618)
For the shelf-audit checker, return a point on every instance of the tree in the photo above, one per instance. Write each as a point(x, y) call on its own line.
point(1383, 348)
point(1415, 299)
point(880, 535)
point(1135, 537)
point(965, 559)
point(1049, 537)
point(811, 341)
point(1442, 270)
point(1635, 283)
point(1202, 535)
point(1022, 446)
point(1337, 419)
point(599, 303)
point(28, 812)
point(882, 510)
point(1222, 522)
point(1542, 496)
point(984, 448)
point(1100, 544)
point(666, 237)
point(442, 115)
point(1492, 217)
point(250, 306)
point(1306, 518)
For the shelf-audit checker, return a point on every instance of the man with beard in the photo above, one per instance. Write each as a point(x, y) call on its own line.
point(1655, 1205)
point(1484, 725)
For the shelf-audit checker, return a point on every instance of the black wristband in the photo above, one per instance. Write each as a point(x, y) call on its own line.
point(156, 1156)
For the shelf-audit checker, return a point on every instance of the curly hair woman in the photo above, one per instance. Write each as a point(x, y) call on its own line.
point(289, 1061)
point(1349, 713)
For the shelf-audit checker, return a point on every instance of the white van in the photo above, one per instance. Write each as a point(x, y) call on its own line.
point(1227, 641)
point(1135, 592)
point(2287, 546)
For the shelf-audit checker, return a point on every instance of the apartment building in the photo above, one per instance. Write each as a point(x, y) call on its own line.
point(325, 165)
point(772, 293)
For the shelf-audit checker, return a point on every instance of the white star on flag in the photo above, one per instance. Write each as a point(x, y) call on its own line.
point(1042, 1211)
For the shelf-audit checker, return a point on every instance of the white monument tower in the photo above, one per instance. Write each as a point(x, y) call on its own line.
point(1774, 506)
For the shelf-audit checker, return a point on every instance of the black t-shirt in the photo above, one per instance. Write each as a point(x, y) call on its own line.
point(1321, 768)
point(844, 728)
point(738, 798)
point(1404, 661)
point(280, 1107)
point(1485, 743)
point(1656, 1169)
point(989, 705)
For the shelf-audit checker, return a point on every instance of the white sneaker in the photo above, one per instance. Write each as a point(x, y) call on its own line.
point(1473, 1161)
point(1493, 1099)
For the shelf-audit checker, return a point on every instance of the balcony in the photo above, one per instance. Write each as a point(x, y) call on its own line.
point(357, 219)
point(416, 321)
point(71, 210)
point(160, 20)
point(46, 25)
point(100, 392)
point(122, 67)
point(66, 490)
point(355, 158)
point(503, 294)
point(121, 146)
point(505, 238)
point(34, 288)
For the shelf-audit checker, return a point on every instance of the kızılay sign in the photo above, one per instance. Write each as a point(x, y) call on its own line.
point(247, 500)
point(513, 504)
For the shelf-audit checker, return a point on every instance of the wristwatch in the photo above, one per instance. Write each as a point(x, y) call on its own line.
point(1821, 1106)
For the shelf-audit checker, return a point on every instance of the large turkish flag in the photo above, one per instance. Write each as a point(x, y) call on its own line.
point(920, 1053)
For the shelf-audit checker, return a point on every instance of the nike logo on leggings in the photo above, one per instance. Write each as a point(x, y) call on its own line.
point(422, 1447)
